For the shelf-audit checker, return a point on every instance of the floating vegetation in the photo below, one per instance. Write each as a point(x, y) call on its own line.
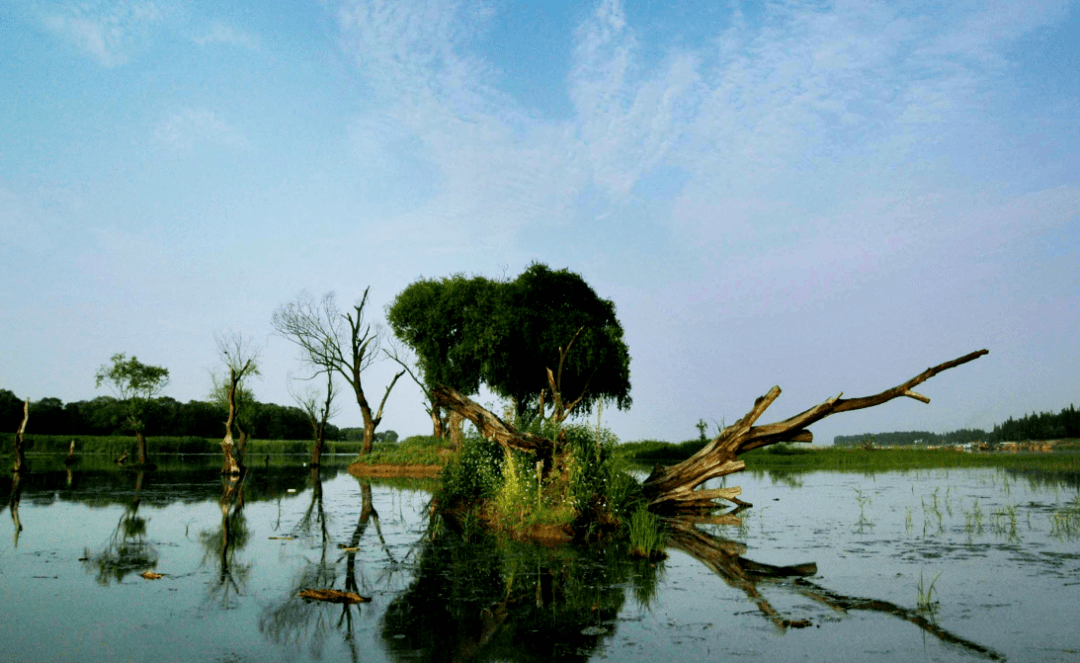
point(925, 601)
point(1065, 521)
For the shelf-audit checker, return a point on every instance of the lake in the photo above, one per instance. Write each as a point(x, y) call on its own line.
point(957, 565)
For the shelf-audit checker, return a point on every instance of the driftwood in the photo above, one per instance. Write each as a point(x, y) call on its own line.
point(675, 488)
point(332, 596)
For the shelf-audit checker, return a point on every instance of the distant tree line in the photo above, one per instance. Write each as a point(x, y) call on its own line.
point(1035, 426)
point(106, 415)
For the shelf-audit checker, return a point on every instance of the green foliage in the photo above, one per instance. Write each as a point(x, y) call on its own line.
point(474, 475)
point(516, 496)
point(113, 446)
point(134, 383)
point(586, 485)
point(415, 450)
point(656, 451)
point(472, 331)
point(646, 538)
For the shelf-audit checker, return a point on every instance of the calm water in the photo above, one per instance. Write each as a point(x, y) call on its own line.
point(939, 566)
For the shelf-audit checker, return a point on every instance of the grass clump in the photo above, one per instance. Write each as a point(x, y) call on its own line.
point(415, 450)
point(581, 489)
point(646, 537)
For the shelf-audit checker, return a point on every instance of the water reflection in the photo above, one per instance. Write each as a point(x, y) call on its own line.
point(294, 621)
point(478, 597)
point(127, 549)
point(441, 596)
point(13, 505)
point(223, 544)
point(725, 558)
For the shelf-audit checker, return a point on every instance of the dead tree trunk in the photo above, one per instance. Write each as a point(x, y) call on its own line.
point(20, 455)
point(140, 443)
point(489, 425)
point(231, 465)
point(674, 487)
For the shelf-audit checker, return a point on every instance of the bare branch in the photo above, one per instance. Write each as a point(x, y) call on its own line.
point(674, 486)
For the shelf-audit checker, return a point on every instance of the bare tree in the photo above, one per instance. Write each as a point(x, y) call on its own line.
point(407, 360)
point(20, 455)
point(318, 411)
point(333, 341)
point(242, 361)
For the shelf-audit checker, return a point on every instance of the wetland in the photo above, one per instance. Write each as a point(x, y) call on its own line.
point(945, 564)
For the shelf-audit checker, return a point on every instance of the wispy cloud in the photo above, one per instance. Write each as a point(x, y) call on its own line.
point(220, 32)
point(108, 33)
point(800, 106)
point(189, 127)
point(491, 166)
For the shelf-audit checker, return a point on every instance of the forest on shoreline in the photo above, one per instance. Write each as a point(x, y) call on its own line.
point(1035, 426)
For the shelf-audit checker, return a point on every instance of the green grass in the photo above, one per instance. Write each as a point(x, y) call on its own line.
point(796, 459)
point(115, 445)
point(416, 450)
point(655, 451)
point(646, 539)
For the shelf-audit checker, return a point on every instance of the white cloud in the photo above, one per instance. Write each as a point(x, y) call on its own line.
point(489, 166)
point(219, 32)
point(188, 127)
point(108, 33)
point(777, 118)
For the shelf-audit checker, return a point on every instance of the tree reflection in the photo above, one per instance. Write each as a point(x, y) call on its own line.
point(295, 621)
point(725, 559)
point(479, 598)
point(13, 505)
point(127, 550)
point(224, 543)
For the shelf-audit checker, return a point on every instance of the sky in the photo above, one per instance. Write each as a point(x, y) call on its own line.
point(825, 196)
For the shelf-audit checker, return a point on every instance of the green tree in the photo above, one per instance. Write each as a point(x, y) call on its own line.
point(544, 338)
point(134, 384)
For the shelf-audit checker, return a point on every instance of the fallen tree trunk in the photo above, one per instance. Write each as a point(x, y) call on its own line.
point(675, 487)
point(489, 425)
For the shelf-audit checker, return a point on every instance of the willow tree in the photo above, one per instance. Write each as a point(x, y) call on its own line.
point(336, 342)
point(135, 385)
point(544, 339)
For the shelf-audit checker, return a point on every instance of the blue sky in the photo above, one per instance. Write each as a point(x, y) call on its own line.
point(824, 196)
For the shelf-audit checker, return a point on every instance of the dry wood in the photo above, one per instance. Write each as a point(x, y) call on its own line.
point(332, 596)
point(20, 456)
point(489, 425)
point(674, 487)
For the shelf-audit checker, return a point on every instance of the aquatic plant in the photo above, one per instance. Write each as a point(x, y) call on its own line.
point(646, 538)
point(925, 601)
